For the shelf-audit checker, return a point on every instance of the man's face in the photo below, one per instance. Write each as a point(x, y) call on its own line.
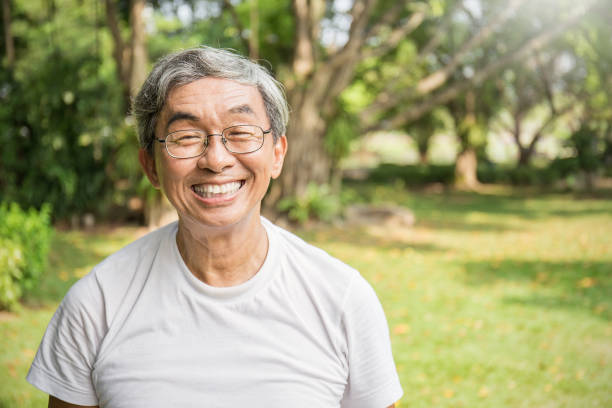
point(217, 188)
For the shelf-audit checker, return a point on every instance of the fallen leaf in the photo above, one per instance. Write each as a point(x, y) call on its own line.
point(401, 329)
point(12, 370)
point(587, 282)
point(483, 392)
point(448, 393)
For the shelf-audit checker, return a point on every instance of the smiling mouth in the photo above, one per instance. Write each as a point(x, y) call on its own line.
point(217, 190)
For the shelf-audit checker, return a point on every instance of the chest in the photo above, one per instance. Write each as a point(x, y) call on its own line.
point(180, 352)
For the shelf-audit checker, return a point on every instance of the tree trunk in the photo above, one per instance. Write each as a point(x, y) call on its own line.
point(525, 154)
point(306, 160)
point(254, 30)
point(423, 149)
point(138, 54)
point(423, 159)
point(131, 59)
point(465, 170)
point(9, 42)
point(120, 52)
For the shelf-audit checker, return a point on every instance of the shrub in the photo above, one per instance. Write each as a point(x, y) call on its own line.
point(318, 203)
point(11, 264)
point(413, 175)
point(25, 238)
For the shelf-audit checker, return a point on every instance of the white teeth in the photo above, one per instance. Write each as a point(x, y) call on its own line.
point(209, 190)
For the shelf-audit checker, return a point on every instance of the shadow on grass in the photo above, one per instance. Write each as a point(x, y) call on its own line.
point(467, 226)
point(583, 286)
point(379, 238)
point(450, 207)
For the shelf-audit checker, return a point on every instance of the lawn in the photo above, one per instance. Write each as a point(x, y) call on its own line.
point(498, 299)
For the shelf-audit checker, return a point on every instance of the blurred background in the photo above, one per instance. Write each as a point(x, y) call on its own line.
point(457, 152)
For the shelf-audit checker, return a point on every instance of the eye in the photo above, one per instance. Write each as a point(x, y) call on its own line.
point(185, 139)
point(238, 133)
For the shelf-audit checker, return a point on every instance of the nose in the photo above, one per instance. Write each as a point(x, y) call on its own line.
point(216, 157)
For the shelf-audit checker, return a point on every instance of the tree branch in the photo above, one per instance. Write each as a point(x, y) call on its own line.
point(554, 115)
point(396, 35)
point(438, 78)
point(227, 5)
point(9, 42)
point(417, 109)
point(361, 12)
point(254, 30)
point(545, 82)
point(303, 58)
point(138, 54)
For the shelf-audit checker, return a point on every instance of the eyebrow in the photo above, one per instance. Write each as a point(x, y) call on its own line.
point(176, 116)
point(242, 109)
point(180, 116)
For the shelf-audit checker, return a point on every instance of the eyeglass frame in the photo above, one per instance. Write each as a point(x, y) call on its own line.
point(206, 140)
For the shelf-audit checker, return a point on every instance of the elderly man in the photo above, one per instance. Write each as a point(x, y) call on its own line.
point(222, 308)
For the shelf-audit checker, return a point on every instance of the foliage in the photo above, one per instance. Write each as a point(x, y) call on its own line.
point(342, 131)
point(11, 265)
point(25, 238)
point(557, 171)
point(318, 203)
point(588, 148)
point(57, 112)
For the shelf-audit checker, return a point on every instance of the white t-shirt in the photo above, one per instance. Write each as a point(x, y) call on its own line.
point(141, 331)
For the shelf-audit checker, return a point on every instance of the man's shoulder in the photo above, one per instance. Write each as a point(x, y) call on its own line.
point(106, 285)
point(314, 263)
point(142, 249)
point(128, 265)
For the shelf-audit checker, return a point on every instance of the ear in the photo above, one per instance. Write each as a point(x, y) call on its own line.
point(147, 162)
point(280, 149)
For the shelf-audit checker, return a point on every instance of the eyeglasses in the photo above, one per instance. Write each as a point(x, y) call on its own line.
point(240, 139)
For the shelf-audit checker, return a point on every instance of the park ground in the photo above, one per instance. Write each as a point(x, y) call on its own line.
point(501, 298)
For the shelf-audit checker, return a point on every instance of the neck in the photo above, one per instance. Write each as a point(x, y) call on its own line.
point(225, 256)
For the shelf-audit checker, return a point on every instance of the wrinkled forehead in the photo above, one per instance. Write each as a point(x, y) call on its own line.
point(210, 98)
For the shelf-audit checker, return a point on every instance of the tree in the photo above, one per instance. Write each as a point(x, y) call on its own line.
point(422, 130)
point(321, 75)
point(591, 138)
point(530, 89)
point(9, 43)
point(130, 56)
point(56, 111)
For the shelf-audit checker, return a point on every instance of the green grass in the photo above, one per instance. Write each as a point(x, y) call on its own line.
point(497, 299)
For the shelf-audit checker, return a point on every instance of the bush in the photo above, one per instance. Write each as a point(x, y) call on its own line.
point(11, 264)
point(318, 203)
point(25, 238)
point(413, 175)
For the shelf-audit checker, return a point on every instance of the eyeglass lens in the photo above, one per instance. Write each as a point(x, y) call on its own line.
point(192, 143)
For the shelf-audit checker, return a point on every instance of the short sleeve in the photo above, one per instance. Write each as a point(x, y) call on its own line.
point(64, 361)
point(373, 381)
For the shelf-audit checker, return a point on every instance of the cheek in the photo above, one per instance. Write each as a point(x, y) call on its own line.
point(171, 174)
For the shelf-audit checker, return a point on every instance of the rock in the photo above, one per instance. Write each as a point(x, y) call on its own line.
point(89, 221)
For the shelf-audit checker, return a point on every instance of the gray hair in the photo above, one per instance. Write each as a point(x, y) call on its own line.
point(187, 66)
